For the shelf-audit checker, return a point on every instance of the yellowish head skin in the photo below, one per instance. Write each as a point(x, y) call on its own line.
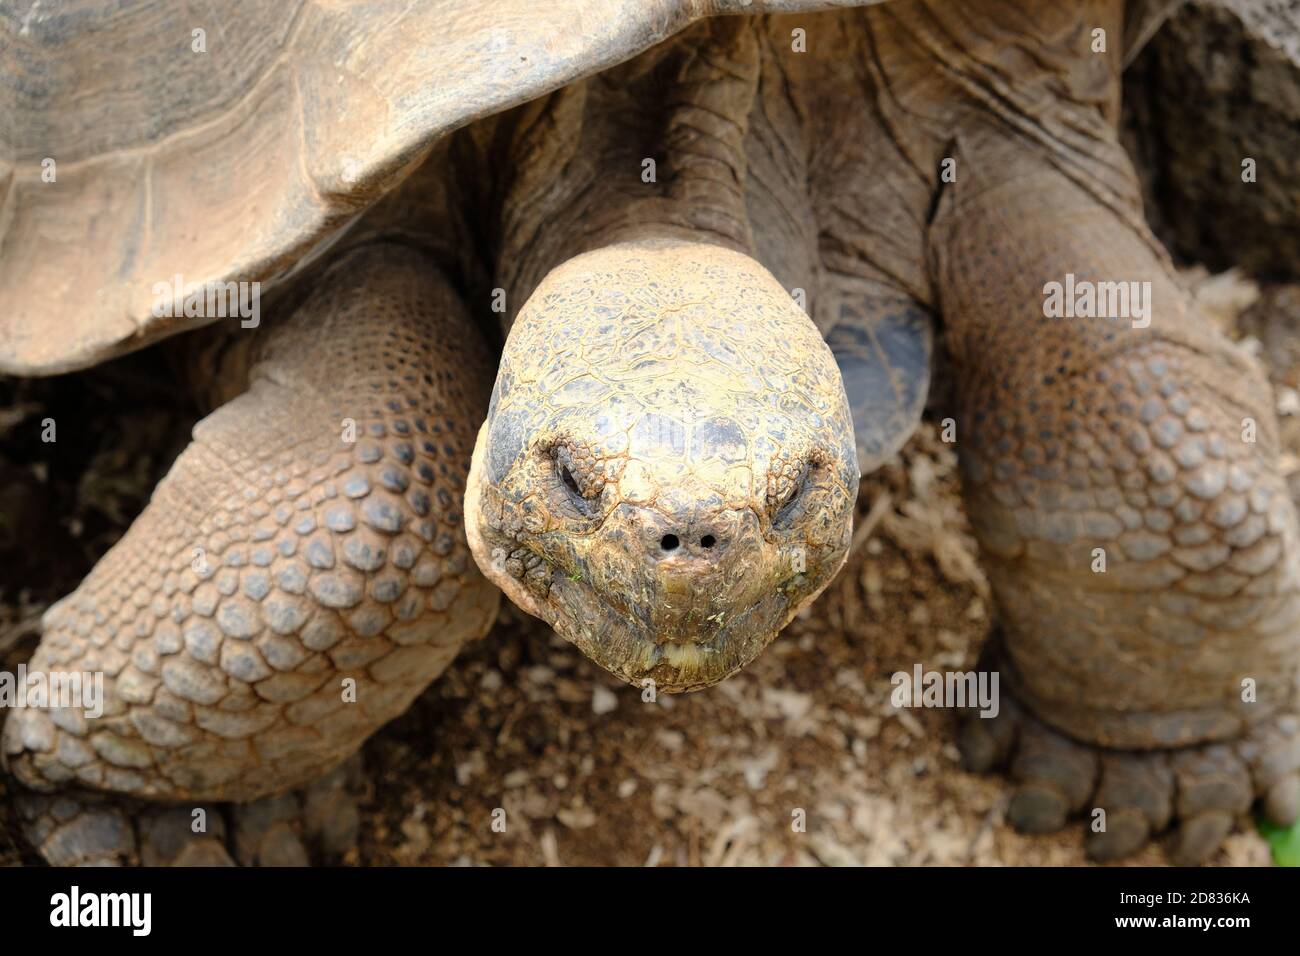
point(667, 472)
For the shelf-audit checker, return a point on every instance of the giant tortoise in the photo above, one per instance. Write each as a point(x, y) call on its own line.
point(722, 247)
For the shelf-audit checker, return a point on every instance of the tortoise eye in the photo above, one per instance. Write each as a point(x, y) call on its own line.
point(791, 497)
point(566, 476)
point(566, 486)
point(788, 507)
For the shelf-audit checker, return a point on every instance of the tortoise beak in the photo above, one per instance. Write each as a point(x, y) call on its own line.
point(680, 610)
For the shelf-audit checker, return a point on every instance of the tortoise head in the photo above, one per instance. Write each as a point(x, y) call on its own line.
point(667, 472)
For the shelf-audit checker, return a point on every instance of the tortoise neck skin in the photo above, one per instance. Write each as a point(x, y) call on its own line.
point(813, 158)
point(653, 149)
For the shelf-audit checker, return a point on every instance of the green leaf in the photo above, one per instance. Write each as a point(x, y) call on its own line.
point(1285, 842)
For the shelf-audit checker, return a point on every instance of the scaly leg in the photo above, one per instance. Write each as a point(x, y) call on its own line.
point(300, 575)
point(1142, 548)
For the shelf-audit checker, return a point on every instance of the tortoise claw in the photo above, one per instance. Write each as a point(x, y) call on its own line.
point(318, 824)
point(1192, 797)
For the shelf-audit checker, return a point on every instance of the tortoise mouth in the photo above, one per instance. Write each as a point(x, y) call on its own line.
point(632, 646)
point(687, 659)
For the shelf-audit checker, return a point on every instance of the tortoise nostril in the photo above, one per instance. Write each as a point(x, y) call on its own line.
point(669, 542)
point(708, 541)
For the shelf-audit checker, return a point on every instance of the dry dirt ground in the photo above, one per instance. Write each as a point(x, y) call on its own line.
point(585, 770)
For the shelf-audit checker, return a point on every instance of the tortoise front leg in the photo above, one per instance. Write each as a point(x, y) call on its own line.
point(1121, 477)
point(299, 576)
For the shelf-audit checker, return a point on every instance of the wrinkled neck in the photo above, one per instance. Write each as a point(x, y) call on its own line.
point(654, 149)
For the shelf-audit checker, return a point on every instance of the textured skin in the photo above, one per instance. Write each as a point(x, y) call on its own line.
point(1076, 436)
point(1082, 434)
point(666, 431)
point(321, 559)
point(1094, 435)
point(319, 822)
point(1197, 794)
